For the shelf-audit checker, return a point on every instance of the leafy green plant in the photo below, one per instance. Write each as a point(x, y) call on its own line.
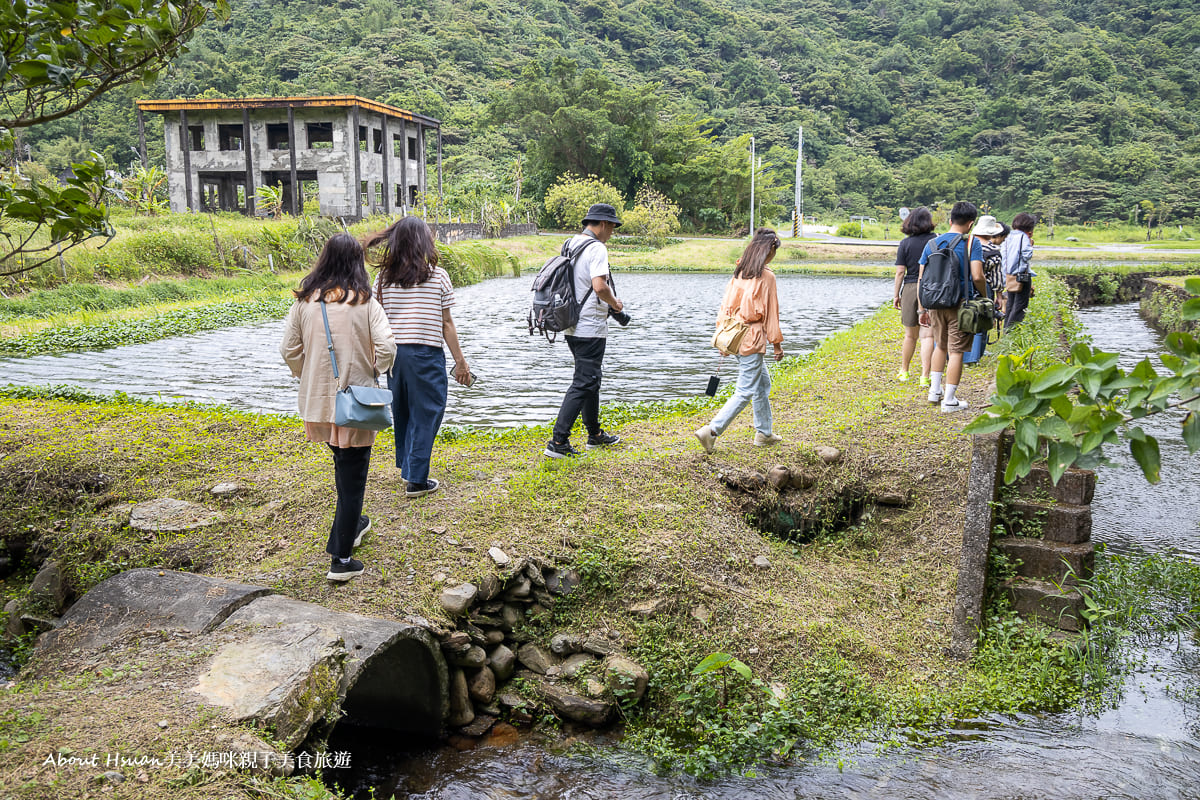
point(568, 200)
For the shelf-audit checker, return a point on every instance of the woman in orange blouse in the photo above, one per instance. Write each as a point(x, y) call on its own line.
point(752, 299)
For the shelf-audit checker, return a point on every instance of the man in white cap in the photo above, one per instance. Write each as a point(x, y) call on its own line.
point(588, 338)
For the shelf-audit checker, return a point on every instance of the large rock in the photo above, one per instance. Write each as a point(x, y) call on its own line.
point(461, 710)
point(830, 455)
point(626, 679)
point(535, 658)
point(481, 686)
point(473, 658)
point(169, 514)
point(562, 582)
point(576, 662)
point(574, 707)
point(651, 608)
point(13, 627)
point(503, 662)
point(510, 617)
point(564, 644)
point(457, 599)
point(49, 590)
point(283, 679)
point(779, 476)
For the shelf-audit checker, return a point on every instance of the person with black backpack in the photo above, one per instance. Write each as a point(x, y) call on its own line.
point(587, 338)
point(943, 286)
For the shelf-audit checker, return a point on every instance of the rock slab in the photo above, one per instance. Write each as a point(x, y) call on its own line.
point(169, 514)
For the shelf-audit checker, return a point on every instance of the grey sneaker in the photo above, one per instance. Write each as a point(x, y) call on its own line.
point(764, 439)
point(958, 405)
point(364, 525)
point(707, 438)
point(343, 572)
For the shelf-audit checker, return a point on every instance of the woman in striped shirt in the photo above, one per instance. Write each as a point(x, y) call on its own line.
point(417, 295)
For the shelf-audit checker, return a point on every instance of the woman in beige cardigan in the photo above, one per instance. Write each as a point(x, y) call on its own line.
point(363, 344)
point(751, 298)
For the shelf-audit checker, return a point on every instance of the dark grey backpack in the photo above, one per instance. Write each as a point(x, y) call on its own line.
point(555, 308)
point(942, 281)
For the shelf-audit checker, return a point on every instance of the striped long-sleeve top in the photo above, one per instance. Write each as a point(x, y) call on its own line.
point(415, 314)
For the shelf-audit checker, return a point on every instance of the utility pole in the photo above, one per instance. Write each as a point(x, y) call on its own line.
point(751, 186)
point(798, 227)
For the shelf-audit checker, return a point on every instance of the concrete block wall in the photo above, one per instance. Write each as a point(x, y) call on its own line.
point(1046, 537)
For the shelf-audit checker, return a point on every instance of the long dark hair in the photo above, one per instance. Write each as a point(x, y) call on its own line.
point(338, 275)
point(409, 254)
point(919, 221)
point(754, 259)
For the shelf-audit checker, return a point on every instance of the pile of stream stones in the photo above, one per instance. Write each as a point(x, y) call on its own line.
point(581, 677)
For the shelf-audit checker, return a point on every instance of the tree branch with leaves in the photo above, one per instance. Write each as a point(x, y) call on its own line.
point(55, 58)
point(1066, 414)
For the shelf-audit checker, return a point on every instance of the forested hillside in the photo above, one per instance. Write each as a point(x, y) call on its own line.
point(1088, 105)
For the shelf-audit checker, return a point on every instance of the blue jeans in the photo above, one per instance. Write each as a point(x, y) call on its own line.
point(419, 385)
point(753, 387)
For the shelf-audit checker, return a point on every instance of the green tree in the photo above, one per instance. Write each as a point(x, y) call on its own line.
point(55, 58)
point(928, 179)
point(568, 200)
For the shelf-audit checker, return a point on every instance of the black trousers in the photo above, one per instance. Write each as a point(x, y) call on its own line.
point(1014, 312)
point(583, 398)
point(350, 467)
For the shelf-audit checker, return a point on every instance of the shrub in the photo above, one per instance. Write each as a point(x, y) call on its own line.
point(569, 198)
point(653, 216)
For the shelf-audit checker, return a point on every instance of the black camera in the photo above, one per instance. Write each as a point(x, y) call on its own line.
point(620, 316)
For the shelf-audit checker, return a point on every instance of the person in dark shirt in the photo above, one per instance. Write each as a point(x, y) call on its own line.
point(918, 230)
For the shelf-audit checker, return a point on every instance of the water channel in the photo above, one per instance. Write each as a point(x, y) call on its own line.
point(663, 354)
point(1146, 746)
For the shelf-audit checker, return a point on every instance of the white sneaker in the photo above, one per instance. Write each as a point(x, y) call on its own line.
point(958, 405)
point(764, 439)
point(935, 397)
point(707, 438)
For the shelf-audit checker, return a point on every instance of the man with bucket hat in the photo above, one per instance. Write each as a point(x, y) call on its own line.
point(589, 336)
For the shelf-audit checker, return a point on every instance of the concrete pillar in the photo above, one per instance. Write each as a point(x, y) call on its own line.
point(403, 166)
point(386, 155)
point(357, 193)
point(185, 144)
point(297, 205)
point(141, 118)
point(246, 146)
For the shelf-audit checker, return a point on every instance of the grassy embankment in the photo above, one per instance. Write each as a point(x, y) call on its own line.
point(850, 627)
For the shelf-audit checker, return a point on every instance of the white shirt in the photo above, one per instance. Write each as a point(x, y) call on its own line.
point(592, 263)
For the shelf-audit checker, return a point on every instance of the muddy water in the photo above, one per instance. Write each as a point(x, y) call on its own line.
point(1147, 746)
point(663, 354)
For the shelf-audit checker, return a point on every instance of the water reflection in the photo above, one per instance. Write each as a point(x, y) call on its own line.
point(663, 354)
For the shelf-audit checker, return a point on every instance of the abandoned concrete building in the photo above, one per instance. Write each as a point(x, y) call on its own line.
point(362, 156)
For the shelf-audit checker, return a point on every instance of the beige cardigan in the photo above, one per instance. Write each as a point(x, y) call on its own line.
point(362, 340)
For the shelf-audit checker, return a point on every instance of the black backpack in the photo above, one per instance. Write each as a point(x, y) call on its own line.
point(555, 308)
point(942, 281)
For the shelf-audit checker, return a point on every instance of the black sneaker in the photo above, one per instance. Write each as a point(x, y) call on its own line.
point(364, 525)
point(343, 572)
point(556, 450)
point(601, 439)
point(421, 489)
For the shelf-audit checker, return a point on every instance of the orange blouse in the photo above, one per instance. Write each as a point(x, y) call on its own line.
point(755, 302)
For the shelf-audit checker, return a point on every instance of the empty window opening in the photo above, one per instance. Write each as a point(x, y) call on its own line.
point(320, 135)
point(362, 138)
point(241, 195)
point(412, 148)
point(365, 192)
point(230, 137)
point(194, 139)
point(379, 195)
point(277, 136)
point(412, 195)
point(400, 196)
point(397, 146)
point(377, 140)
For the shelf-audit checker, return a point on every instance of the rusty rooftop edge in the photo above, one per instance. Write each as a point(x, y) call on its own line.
point(231, 103)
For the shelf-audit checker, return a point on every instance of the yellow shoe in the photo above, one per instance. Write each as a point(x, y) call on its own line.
point(924, 381)
point(902, 376)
